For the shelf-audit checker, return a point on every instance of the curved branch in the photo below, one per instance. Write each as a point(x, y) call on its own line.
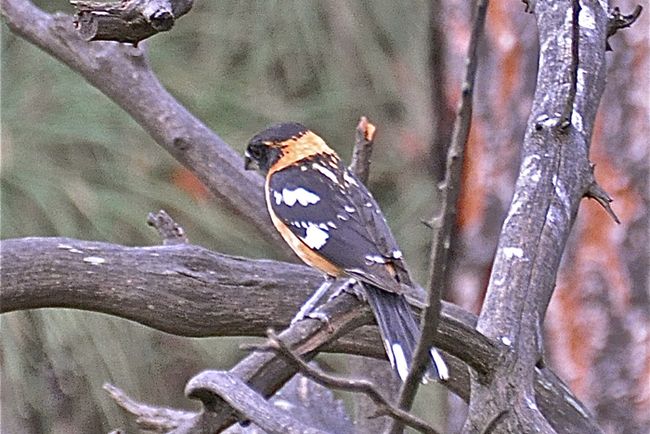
point(247, 402)
point(190, 291)
point(122, 73)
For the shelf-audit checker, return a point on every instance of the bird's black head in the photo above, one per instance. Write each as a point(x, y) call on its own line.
point(266, 147)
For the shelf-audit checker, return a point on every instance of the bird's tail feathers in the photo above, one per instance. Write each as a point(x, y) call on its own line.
point(400, 333)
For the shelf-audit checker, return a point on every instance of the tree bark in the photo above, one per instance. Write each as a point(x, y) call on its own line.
point(554, 175)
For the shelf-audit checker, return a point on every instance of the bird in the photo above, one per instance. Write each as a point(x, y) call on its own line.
point(332, 222)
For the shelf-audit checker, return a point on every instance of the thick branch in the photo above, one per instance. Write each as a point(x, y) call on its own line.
point(555, 174)
point(122, 73)
point(246, 402)
point(187, 290)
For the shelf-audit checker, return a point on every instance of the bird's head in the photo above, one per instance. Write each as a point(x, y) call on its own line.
point(290, 142)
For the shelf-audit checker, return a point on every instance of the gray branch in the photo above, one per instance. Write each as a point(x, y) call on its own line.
point(246, 402)
point(128, 20)
point(190, 291)
point(122, 73)
point(444, 223)
point(554, 175)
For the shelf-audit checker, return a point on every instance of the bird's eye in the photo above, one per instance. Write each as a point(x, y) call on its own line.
point(255, 152)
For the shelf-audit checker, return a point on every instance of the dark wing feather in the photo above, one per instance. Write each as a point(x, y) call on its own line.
point(358, 238)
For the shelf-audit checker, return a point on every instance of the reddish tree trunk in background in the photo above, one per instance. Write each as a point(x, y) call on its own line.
point(598, 324)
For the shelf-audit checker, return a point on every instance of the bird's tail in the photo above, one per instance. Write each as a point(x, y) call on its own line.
point(400, 333)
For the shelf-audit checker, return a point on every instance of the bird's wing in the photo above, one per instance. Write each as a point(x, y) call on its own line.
point(333, 214)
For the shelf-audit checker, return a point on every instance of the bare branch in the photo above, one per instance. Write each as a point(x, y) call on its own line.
point(246, 402)
point(123, 74)
point(554, 175)
point(189, 291)
point(444, 223)
point(596, 192)
point(129, 20)
point(350, 385)
point(364, 138)
point(157, 419)
point(617, 21)
point(170, 231)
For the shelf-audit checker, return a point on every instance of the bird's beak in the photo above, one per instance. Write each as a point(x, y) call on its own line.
point(249, 163)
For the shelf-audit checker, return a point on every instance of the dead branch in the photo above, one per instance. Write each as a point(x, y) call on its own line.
point(190, 291)
point(350, 385)
point(444, 223)
point(617, 21)
point(170, 232)
point(157, 419)
point(363, 141)
point(122, 73)
point(248, 404)
point(554, 176)
point(129, 20)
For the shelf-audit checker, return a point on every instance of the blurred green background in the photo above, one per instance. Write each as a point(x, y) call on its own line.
point(73, 164)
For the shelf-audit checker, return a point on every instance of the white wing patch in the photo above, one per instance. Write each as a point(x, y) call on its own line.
point(315, 237)
point(375, 259)
point(349, 179)
point(290, 197)
point(325, 171)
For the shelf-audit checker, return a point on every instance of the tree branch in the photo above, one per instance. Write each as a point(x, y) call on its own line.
point(246, 402)
point(122, 73)
point(617, 21)
point(555, 174)
point(445, 221)
point(364, 139)
point(190, 291)
point(129, 20)
point(350, 385)
point(170, 231)
point(157, 419)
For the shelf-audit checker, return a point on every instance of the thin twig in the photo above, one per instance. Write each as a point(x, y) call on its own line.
point(444, 223)
point(357, 386)
point(596, 192)
point(364, 139)
point(617, 21)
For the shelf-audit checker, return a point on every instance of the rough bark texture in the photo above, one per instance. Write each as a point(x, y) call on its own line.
point(554, 175)
point(122, 73)
point(129, 20)
point(597, 320)
point(190, 291)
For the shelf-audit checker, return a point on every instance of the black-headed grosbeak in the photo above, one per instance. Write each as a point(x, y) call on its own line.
point(332, 222)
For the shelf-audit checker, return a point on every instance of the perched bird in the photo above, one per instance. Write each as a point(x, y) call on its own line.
point(332, 223)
